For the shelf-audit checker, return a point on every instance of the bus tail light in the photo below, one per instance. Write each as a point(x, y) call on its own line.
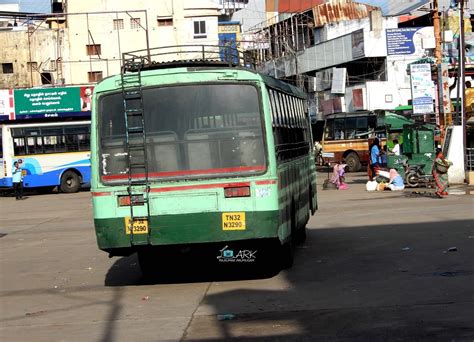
point(124, 201)
point(241, 191)
point(4, 168)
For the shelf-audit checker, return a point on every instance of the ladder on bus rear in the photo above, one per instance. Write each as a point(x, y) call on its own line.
point(137, 164)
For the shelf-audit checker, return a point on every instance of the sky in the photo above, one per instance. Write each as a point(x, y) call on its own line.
point(32, 6)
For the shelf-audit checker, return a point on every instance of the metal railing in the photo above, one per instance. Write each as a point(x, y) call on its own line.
point(178, 55)
point(470, 159)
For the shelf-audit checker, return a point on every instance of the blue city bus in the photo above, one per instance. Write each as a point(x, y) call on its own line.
point(52, 154)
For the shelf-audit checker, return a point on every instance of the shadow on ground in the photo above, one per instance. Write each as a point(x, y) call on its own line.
point(199, 264)
point(377, 283)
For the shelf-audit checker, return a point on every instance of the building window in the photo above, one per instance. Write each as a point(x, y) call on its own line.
point(46, 78)
point(118, 24)
point(7, 68)
point(200, 29)
point(94, 76)
point(165, 21)
point(31, 66)
point(93, 49)
point(135, 23)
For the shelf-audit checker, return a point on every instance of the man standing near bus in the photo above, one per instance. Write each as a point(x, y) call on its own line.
point(374, 161)
point(17, 179)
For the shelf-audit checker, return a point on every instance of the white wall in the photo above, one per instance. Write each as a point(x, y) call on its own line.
point(456, 173)
point(114, 42)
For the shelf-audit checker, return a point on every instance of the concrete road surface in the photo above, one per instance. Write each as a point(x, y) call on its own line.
point(375, 267)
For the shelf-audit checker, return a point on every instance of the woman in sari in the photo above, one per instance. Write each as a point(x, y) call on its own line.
point(338, 176)
point(440, 173)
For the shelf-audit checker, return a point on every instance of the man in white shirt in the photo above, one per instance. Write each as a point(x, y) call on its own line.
point(396, 147)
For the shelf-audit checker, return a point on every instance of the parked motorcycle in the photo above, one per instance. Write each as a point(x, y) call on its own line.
point(416, 176)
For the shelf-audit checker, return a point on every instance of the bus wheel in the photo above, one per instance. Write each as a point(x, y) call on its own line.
point(288, 249)
point(70, 182)
point(287, 254)
point(353, 162)
point(146, 259)
point(301, 234)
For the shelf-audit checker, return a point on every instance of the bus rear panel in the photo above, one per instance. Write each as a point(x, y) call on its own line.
point(209, 170)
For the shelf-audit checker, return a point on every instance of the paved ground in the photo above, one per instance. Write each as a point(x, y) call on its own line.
point(376, 266)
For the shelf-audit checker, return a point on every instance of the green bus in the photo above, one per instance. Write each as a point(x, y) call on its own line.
point(195, 152)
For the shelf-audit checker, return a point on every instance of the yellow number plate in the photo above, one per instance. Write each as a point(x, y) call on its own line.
point(233, 221)
point(140, 226)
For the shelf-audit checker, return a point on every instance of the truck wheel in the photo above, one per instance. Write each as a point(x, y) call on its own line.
point(353, 162)
point(411, 179)
point(70, 182)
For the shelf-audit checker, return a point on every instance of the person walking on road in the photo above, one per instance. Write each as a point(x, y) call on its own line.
point(374, 158)
point(17, 179)
point(440, 173)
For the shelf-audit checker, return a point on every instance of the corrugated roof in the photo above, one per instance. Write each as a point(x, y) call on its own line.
point(335, 11)
point(393, 8)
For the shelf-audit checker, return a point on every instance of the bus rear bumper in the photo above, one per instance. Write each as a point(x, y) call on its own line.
point(184, 229)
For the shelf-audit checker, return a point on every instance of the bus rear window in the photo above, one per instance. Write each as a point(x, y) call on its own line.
point(192, 131)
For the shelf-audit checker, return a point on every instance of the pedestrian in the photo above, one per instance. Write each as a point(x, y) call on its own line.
point(396, 147)
point(383, 157)
point(374, 158)
point(396, 181)
point(17, 179)
point(338, 177)
point(440, 173)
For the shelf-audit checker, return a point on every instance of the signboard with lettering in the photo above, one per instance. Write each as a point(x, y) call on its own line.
point(20, 104)
point(400, 41)
point(421, 88)
point(7, 110)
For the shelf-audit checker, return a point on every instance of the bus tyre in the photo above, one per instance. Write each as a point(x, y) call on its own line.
point(70, 182)
point(301, 235)
point(147, 265)
point(287, 254)
point(353, 162)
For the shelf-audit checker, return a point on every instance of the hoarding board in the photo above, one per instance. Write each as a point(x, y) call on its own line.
point(45, 102)
point(400, 41)
point(421, 88)
point(7, 110)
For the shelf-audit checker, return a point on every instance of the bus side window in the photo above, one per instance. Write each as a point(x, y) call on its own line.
point(351, 125)
point(361, 126)
point(19, 146)
point(273, 107)
point(329, 129)
point(339, 129)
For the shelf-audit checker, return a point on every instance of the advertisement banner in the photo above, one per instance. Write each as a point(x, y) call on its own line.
point(358, 50)
point(52, 102)
point(421, 88)
point(400, 41)
point(7, 109)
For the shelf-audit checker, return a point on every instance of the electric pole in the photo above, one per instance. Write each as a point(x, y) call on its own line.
point(439, 59)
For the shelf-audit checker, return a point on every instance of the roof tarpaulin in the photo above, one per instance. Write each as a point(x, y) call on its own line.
point(393, 8)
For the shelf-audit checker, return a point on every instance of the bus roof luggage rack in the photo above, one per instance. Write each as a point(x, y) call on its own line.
point(186, 55)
